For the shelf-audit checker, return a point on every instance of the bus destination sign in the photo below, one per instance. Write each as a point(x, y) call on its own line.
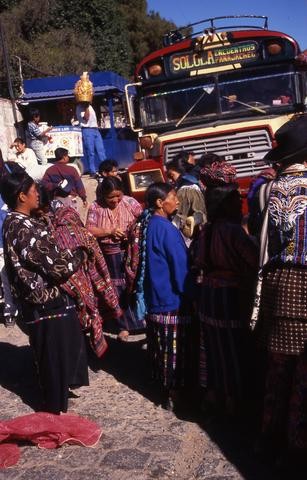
point(216, 57)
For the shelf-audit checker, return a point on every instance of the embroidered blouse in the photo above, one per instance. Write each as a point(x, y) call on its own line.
point(288, 217)
point(35, 265)
point(121, 217)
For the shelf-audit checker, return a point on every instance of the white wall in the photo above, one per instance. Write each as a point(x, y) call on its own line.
point(7, 129)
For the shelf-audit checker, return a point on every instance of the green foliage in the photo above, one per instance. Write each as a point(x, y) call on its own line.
point(58, 37)
point(48, 53)
point(42, 49)
point(6, 4)
point(146, 30)
point(101, 20)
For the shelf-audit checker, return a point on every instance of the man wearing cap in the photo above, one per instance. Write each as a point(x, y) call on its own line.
point(91, 138)
point(60, 171)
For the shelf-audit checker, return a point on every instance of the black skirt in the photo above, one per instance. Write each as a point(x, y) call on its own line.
point(60, 351)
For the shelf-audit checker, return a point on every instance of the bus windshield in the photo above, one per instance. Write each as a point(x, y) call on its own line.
point(252, 92)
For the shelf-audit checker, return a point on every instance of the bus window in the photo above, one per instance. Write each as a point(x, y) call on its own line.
point(265, 91)
point(171, 106)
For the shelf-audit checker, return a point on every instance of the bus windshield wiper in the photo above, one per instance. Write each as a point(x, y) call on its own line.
point(191, 108)
point(251, 107)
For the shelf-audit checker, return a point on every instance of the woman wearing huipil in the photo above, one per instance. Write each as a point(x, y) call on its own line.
point(282, 323)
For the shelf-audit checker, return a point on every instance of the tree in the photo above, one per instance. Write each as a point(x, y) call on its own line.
point(58, 37)
point(103, 22)
point(145, 30)
point(41, 48)
point(50, 56)
point(6, 4)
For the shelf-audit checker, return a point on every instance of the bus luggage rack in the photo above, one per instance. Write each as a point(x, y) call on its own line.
point(211, 26)
point(244, 150)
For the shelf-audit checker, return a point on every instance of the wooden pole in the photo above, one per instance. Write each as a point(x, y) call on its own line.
point(8, 73)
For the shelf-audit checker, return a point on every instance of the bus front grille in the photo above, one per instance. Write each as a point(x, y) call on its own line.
point(244, 150)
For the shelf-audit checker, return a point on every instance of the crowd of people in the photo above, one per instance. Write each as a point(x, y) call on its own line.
point(222, 300)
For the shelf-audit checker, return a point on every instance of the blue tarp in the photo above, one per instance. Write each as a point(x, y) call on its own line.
point(52, 88)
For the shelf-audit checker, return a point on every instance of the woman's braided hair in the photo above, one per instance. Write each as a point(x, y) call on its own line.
point(155, 191)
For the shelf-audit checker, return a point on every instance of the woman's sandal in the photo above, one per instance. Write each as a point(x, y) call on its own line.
point(72, 394)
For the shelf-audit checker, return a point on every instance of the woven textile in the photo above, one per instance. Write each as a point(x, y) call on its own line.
point(217, 174)
point(122, 217)
point(284, 414)
point(92, 287)
point(288, 217)
point(128, 320)
point(283, 315)
point(169, 348)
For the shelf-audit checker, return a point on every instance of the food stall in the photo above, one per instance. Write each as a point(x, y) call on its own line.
point(54, 97)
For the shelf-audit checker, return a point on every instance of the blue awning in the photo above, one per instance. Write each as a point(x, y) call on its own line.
point(53, 88)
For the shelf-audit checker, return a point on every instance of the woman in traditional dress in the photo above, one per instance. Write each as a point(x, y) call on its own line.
point(109, 219)
point(91, 285)
point(282, 323)
point(227, 259)
point(163, 270)
point(36, 268)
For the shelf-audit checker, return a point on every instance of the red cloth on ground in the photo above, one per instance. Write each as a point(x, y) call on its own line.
point(45, 430)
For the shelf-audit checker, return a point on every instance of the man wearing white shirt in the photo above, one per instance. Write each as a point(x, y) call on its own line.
point(26, 157)
point(91, 138)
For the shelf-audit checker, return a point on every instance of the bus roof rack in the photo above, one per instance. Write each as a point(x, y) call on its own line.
point(177, 35)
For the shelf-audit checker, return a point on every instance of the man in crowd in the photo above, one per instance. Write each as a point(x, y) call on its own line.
point(60, 171)
point(37, 136)
point(91, 138)
point(25, 157)
point(108, 168)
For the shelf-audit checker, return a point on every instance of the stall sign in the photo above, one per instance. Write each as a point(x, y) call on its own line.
point(65, 137)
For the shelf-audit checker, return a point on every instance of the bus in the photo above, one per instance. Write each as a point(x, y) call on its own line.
point(216, 86)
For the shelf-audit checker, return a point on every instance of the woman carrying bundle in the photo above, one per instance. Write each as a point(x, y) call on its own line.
point(36, 269)
point(109, 219)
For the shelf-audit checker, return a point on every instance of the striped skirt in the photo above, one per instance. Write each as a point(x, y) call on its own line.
point(169, 348)
point(114, 258)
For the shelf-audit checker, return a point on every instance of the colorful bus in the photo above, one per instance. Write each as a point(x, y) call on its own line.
point(224, 89)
